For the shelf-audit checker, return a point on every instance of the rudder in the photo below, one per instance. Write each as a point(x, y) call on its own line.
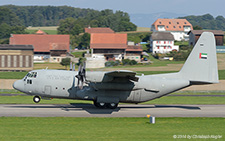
point(201, 65)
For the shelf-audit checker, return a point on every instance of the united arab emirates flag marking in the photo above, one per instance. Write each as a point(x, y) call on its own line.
point(203, 55)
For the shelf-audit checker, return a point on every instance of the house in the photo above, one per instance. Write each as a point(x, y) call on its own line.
point(133, 52)
point(106, 45)
point(179, 28)
point(162, 42)
point(16, 57)
point(111, 45)
point(195, 34)
point(46, 47)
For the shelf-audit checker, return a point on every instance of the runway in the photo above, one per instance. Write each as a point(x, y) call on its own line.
point(123, 110)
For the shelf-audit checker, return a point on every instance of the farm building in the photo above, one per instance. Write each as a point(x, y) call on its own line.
point(106, 45)
point(16, 57)
point(162, 42)
point(111, 45)
point(195, 34)
point(46, 47)
point(179, 28)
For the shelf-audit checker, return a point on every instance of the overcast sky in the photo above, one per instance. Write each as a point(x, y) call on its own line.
point(188, 7)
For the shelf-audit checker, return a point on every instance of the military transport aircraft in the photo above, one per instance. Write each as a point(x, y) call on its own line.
point(107, 89)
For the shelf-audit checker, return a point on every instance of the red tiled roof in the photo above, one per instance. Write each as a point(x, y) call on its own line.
point(172, 24)
point(41, 43)
point(108, 41)
point(40, 32)
point(56, 46)
point(134, 48)
point(99, 30)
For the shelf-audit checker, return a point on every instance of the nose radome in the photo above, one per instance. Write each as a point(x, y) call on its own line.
point(18, 85)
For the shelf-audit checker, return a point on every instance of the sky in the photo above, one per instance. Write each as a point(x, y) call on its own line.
point(187, 7)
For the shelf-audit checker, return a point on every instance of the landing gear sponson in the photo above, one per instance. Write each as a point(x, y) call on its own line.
point(36, 99)
point(105, 105)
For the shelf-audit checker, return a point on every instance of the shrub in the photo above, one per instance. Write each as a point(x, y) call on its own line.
point(112, 63)
point(129, 62)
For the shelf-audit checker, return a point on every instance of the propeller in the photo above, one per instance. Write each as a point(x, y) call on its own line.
point(81, 76)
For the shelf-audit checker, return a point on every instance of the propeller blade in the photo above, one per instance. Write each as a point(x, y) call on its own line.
point(73, 67)
point(70, 66)
point(81, 76)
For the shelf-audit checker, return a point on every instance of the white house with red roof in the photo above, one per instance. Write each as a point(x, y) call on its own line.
point(178, 27)
point(162, 42)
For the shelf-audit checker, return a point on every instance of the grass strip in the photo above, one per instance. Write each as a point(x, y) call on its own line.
point(66, 128)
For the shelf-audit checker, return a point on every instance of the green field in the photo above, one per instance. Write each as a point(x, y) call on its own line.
point(12, 75)
point(53, 32)
point(78, 54)
point(62, 128)
point(46, 29)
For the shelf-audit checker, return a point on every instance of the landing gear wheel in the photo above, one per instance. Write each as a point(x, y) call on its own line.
point(36, 99)
point(112, 105)
point(100, 104)
point(95, 103)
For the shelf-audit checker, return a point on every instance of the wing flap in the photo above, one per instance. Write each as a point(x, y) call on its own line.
point(122, 74)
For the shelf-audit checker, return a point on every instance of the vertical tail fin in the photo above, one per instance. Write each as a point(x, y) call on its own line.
point(201, 65)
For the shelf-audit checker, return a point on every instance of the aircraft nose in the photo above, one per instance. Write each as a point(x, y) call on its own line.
point(18, 85)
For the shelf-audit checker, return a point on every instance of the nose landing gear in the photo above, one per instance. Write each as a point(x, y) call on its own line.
point(36, 99)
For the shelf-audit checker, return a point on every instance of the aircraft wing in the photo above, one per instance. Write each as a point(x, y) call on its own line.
point(122, 74)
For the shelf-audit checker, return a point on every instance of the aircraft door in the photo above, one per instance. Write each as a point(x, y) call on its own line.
point(48, 90)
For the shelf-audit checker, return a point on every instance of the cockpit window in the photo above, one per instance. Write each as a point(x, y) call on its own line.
point(31, 75)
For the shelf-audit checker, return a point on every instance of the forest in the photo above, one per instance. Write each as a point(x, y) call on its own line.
point(52, 15)
point(206, 21)
point(15, 19)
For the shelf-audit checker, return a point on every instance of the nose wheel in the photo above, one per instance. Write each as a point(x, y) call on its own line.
point(36, 99)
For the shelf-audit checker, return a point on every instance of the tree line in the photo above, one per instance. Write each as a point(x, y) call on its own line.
point(15, 19)
point(52, 16)
point(206, 21)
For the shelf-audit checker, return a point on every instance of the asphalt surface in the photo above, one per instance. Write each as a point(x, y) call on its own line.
point(88, 110)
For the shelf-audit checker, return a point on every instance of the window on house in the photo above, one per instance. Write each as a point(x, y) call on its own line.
point(174, 26)
point(185, 23)
point(159, 22)
point(179, 26)
point(169, 22)
point(177, 22)
point(167, 26)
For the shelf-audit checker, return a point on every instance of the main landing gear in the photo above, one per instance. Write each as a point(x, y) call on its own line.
point(36, 99)
point(105, 105)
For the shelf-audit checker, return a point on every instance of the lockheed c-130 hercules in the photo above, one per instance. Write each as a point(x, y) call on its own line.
point(107, 89)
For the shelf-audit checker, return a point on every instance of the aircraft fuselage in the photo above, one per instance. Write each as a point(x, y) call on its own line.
point(63, 84)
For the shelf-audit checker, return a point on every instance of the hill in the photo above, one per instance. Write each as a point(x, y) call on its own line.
point(207, 21)
point(53, 15)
